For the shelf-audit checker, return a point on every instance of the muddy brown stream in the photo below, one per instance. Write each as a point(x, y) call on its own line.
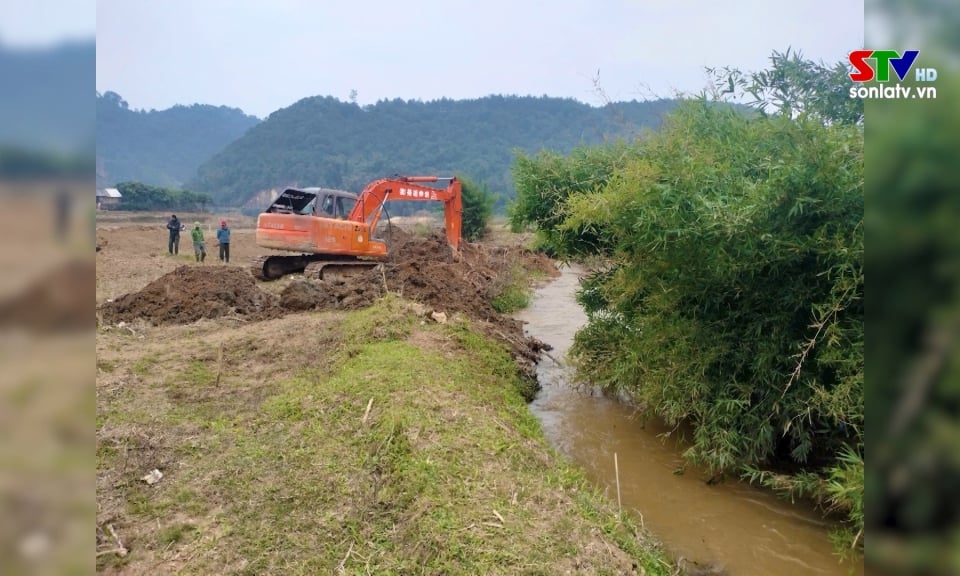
point(742, 529)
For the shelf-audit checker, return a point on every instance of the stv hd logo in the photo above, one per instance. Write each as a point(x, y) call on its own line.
point(885, 60)
point(873, 80)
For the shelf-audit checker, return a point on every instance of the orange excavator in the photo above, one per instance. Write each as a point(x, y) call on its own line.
point(332, 230)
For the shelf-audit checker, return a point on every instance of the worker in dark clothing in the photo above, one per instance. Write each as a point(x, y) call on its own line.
point(223, 238)
point(174, 226)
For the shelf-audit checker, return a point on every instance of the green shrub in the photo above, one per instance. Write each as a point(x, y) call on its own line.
point(477, 209)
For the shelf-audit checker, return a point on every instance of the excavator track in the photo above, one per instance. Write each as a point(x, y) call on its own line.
point(273, 267)
point(319, 266)
point(337, 270)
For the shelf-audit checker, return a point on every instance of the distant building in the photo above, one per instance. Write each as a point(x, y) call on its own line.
point(108, 198)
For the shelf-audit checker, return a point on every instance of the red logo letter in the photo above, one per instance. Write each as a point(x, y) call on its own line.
point(865, 72)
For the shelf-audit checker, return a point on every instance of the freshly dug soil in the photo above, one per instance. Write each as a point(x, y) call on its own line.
point(423, 270)
point(190, 293)
point(356, 293)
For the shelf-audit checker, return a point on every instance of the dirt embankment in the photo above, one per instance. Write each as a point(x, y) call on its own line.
point(419, 269)
point(425, 270)
point(191, 293)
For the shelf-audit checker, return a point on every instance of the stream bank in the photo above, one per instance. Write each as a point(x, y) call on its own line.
point(732, 526)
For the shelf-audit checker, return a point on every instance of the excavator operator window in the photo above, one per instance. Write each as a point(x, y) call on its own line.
point(341, 212)
point(327, 207)
point(347, 206)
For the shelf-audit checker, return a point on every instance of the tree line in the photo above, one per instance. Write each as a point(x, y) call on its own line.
point(140, 196)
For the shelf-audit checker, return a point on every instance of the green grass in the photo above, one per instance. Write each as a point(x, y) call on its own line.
point(144, 365)
point(412, 451)
point(513, 298)
point(514, 293)
point(176, 533)
point(105, 365)
point(199, 373)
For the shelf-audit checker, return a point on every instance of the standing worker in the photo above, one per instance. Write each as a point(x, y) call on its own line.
point(199, 249)
point(174, 226)
point(223, 237)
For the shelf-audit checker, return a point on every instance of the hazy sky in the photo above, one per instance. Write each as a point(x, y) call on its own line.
point(262, 55)
point(41, 23)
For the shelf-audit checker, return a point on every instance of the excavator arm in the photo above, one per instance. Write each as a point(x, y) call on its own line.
point(370, 202)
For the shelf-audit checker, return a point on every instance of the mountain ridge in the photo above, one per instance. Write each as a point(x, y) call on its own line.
point(321, 140)
point(161, 147)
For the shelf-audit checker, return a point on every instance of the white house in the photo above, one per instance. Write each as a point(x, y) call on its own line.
point(108, 197)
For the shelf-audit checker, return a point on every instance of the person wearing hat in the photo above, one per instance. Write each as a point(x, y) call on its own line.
point(223, 238)
point(199, 248)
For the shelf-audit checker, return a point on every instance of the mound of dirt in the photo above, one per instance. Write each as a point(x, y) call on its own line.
point(57, 302)
point(357, 293)
point(424, 270)
point(190, 293)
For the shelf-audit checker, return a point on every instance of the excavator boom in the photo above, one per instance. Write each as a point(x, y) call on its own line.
point(370, 202)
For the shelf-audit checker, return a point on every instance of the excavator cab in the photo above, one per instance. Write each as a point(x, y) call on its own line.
point(323, 202)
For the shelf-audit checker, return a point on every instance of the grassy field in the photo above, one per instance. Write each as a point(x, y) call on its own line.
point(368, 442)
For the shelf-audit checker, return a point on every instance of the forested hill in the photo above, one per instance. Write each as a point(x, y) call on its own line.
point(162, 148)
point(322, 141)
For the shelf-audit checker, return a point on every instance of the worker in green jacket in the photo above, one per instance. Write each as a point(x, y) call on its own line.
point(199, 248)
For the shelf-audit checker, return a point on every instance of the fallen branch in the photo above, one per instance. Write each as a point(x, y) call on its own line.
point(341, 567)
point(550, 356)
point(120, 550)
point(616, 467)
point(117, 551)
point(367, 413)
